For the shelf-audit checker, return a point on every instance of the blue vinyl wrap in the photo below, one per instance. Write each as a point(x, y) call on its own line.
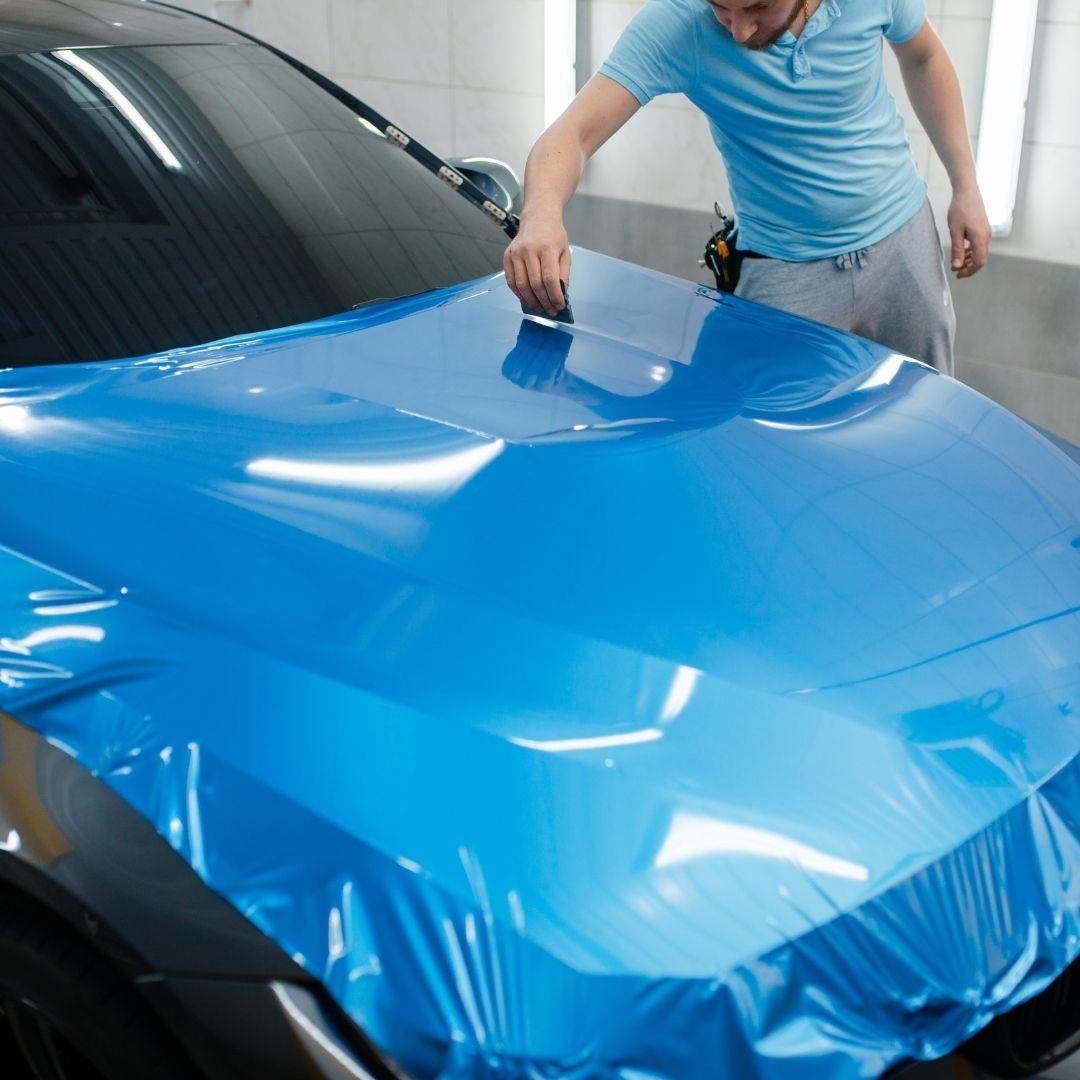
point(691, 692)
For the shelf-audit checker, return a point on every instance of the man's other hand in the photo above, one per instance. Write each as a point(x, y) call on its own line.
point(969, 230)
point(537, 262)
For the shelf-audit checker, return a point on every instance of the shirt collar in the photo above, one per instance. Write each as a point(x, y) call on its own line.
point(827, 13)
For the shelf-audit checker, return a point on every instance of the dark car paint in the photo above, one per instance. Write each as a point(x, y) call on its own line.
point(77, 850)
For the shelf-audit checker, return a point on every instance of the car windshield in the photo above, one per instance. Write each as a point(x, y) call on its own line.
point(165, 196)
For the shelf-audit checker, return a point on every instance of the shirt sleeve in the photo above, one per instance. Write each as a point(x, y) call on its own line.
point(906, 18)
point(656, 54)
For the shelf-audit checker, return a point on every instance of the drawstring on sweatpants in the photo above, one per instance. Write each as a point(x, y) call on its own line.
point(851, 258)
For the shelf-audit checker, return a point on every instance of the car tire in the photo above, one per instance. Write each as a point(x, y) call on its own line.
point(1034, 1036)
point(66, 1014)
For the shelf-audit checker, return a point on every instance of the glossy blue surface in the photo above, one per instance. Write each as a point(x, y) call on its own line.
point(689, 692)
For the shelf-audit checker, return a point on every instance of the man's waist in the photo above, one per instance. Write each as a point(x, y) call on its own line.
point(758, 241)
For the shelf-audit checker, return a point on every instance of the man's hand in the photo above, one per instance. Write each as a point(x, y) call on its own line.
point(537, 262)
point(969, 229)
point(538, 258)
point(934, 90)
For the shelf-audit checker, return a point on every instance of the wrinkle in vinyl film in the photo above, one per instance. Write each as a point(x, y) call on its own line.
point(391, 942)
point(564, 821)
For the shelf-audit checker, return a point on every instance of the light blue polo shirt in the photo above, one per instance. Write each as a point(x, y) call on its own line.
point(816, 155)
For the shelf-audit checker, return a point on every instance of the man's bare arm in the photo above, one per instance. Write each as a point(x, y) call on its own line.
point(538, 258)
point(934, 90)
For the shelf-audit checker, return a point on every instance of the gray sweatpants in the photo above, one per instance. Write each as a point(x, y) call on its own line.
point(895, 292)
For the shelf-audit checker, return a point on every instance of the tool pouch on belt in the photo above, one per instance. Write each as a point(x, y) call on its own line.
point(722, 256)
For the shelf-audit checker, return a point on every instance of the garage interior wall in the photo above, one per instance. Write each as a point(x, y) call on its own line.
point(466, 77)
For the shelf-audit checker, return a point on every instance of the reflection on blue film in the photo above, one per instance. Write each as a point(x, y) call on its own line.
point(690, 691)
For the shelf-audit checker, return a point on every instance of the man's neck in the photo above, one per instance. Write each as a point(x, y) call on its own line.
point(803, 13)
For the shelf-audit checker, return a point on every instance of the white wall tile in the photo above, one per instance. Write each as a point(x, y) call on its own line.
point(502, 126)
point(968, 9)
point(967, 40)
point(1055, 85)
point(300, 29)
point(392, 39)
point(202, 7)
point(1047, 220)
point(663, 156)
point(1046, 223)
point(1060, 10)
point(422, 111)
point(607, 20)
point(503, 53)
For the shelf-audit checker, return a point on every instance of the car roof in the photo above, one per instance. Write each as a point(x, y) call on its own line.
point(38, 25)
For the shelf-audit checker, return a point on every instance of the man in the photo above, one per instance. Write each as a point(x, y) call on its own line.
point(826, 194)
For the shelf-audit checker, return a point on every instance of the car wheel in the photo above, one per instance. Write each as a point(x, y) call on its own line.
point(1035, 1035)
point(65, 1014)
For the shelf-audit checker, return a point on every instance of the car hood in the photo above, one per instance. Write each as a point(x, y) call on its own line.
point(693, 664)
